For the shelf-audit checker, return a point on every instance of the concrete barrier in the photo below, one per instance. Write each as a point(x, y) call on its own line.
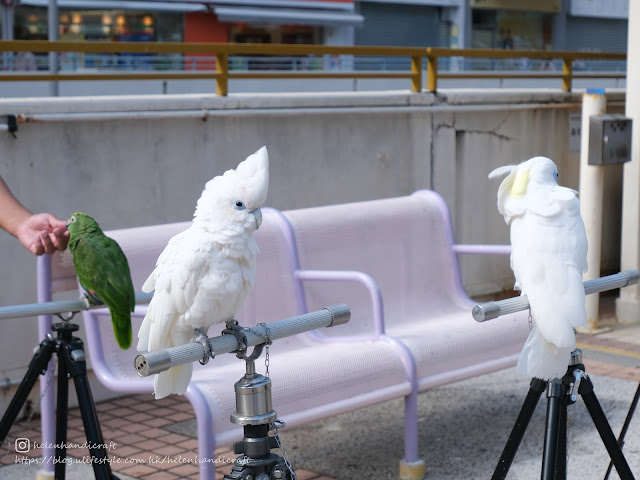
point(140, 160)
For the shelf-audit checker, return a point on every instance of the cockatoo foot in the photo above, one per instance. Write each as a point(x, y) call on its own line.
point(237, 331)
point(203, 339)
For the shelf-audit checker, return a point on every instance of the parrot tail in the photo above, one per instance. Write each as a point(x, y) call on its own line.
point(175, 380)
point(122, 328)
point(542, 359)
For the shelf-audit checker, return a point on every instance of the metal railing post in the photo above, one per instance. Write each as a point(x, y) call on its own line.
point(567, 73)
point(222, 69)
point(432, 73)
point(416, 72)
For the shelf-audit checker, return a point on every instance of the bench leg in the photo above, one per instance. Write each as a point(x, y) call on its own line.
point(206, 437)
point(411, 467)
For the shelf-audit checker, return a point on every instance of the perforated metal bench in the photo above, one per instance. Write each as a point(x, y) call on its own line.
point(311, 380)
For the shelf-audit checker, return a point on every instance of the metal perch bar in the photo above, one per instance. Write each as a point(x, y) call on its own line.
point(62, 306)
point(160, 360)
point(491, 310)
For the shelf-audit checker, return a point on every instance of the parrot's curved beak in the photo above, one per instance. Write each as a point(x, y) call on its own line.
point(258, 214)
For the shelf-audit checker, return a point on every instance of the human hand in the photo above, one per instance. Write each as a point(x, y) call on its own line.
point(43, 233)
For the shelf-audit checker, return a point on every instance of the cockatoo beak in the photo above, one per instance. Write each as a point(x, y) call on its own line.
point(258, 214)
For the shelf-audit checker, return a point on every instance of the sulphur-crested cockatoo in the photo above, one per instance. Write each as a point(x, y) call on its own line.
point(548, 258)
point(205, 273)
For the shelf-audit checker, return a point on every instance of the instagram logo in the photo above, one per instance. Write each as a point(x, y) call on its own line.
point(23, 445)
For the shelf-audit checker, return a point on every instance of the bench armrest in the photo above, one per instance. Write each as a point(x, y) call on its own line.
point(349, 276)
point(482, 249)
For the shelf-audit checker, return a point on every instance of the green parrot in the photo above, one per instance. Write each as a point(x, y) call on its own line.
point(103, 271)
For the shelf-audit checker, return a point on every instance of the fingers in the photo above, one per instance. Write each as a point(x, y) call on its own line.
point(57, 224)
point(36, 247)
point(60, 239)
point(47, 243)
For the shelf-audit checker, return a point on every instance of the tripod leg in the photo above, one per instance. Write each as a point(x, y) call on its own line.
point(561, 460)
point(604, 429)
point(552, 430)
point(536, 388)
point(625, 427)
point(62, 409)
point(37, 366)
point(75, 358)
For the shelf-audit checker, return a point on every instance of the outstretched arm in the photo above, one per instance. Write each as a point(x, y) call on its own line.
point(41, 233)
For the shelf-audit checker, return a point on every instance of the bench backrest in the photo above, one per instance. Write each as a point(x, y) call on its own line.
point(404, 243)
point(273, 298)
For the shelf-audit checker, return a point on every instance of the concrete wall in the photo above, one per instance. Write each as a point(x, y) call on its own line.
point(131, 161)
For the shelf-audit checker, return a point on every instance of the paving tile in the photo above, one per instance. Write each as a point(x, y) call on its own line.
point(190, 444)
point(150, 445)
point(143, 406)
point(124, 401)
point(132, 439)
point(139, 417)
point(168, 450)
point(185, 470)
point(174, 438)
point(161, 475)
point(153, 432)
point(134, 428)
point(125, 451)
point(117, 422)
point(138, 470)
point(159, 422)
point(161, 412)
point(180, 416)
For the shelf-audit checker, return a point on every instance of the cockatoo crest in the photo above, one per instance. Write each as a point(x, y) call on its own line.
point(235, 193)
point(520, 182)
point(516, 195)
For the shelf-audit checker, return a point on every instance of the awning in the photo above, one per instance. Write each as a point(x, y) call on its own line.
point(121, 5)
point(299, 16)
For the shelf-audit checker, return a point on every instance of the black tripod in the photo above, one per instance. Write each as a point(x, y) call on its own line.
point(71, 363)
point(560, 394)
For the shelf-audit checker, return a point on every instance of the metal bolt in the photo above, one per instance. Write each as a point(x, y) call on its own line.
point(277, 473)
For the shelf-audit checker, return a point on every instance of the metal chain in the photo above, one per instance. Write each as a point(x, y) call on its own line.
point(35, 408)
point(284, 454)
point(530, 320)
point(267, 342)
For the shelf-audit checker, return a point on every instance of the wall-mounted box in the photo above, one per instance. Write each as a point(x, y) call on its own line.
point(609, 139)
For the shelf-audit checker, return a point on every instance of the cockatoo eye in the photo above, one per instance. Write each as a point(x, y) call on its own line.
point(239, 205)
point(555, 175)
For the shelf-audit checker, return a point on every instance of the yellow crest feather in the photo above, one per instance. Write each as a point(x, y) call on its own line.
point(519, 187)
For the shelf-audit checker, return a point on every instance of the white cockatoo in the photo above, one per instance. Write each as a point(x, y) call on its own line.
point(205, 273)
point(548, 258)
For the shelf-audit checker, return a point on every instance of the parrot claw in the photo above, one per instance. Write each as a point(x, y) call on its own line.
point(203, 339)
point(237, 331)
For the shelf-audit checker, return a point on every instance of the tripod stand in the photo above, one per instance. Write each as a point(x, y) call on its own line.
point(561, 393)
point(71, 363)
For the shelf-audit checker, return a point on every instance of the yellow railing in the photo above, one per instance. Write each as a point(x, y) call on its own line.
point(222, 51)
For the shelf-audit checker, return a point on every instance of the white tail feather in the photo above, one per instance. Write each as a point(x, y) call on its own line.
point(175, 380)
point(541, 359)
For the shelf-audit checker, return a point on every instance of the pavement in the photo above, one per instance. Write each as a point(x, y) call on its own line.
point(462, 428)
